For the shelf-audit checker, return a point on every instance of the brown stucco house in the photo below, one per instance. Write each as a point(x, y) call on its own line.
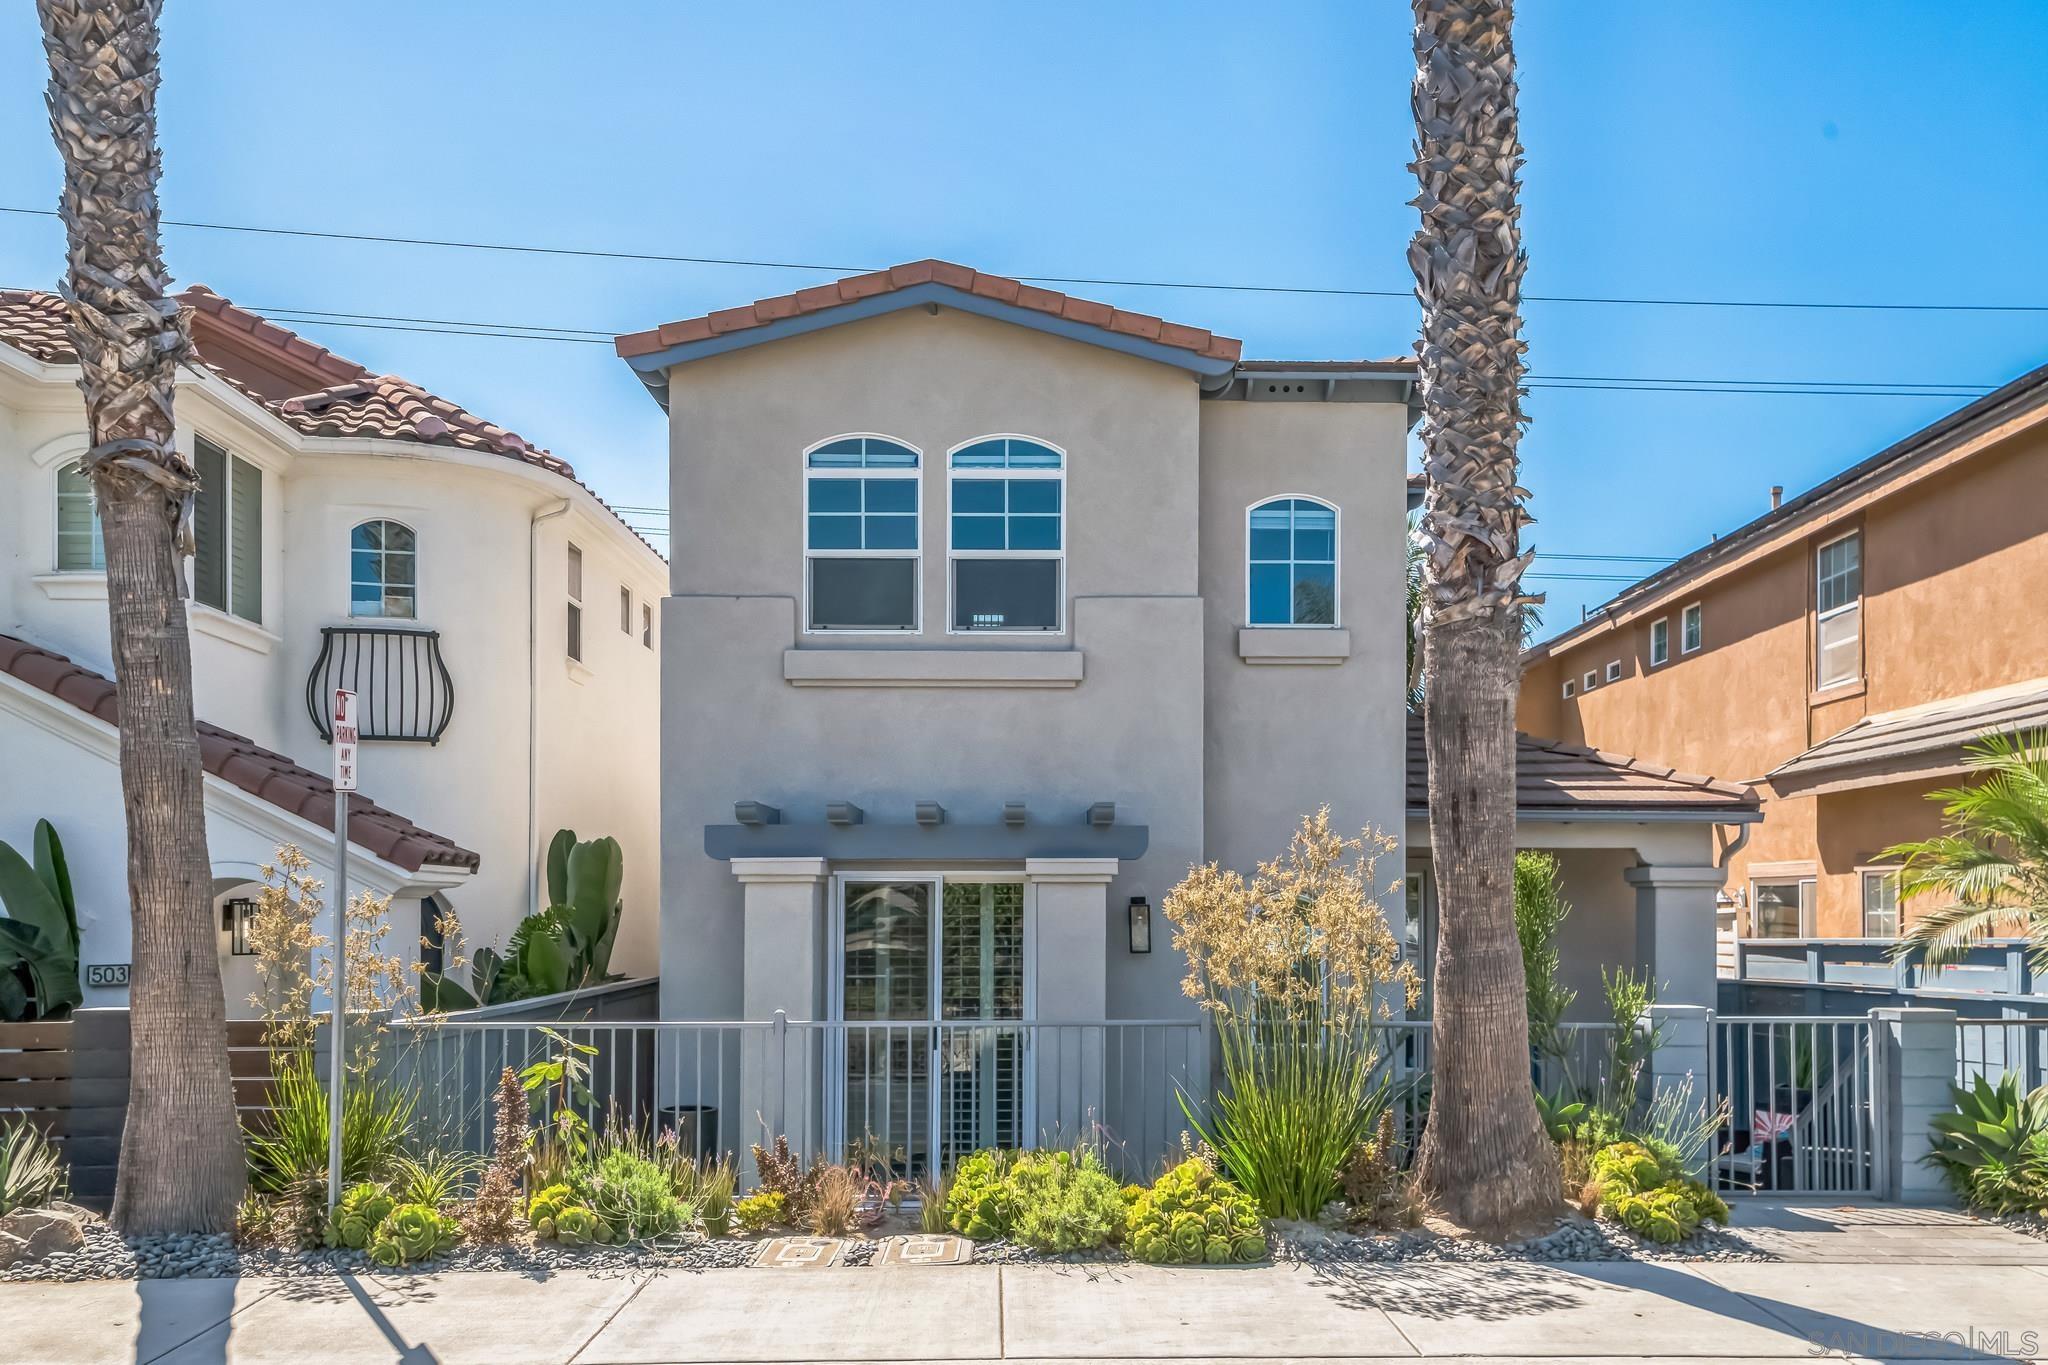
point(1839, 652)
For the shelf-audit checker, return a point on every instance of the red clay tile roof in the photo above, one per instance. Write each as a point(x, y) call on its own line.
point(307, 387)
point(268, 776)
point(1552, 777)
point(998, 287)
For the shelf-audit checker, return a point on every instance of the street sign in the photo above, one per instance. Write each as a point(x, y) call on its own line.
point(344, 740)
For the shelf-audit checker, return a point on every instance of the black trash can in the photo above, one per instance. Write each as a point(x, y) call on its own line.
point(695, 1127)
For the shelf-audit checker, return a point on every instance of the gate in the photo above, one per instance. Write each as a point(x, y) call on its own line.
point(1802, 1096)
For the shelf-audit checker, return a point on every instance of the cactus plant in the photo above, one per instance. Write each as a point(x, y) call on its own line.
point(566, 947)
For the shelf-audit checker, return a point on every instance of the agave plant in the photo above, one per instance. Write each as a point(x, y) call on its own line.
point(39, 933)
point(1994, 1147)
point(31, 1174)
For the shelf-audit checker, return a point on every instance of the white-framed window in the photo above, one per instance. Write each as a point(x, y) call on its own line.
point(1006, 522)
point(575, 604)
point(625, 609)
point(80, 548)
point(1880, 902)
point(1690, 628)
point(1614, 670)
point(861, 536)
point(1660, 641)
point(1291, 562)
point(1591, 680)
point(646, 626)
point(383, 569)
point(1781, 908)
point(1568, 689)
point(1838, 611)
point(227, 524)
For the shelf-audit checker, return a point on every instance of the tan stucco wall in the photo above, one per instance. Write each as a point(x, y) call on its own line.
point(1955, 568)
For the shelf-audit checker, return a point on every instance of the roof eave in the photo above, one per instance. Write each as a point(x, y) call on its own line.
point(653, 367)
point(1627, 815)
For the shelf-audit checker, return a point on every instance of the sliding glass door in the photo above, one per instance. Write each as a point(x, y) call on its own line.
point(931, 980)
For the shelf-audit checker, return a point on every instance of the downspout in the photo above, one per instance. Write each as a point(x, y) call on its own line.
point(533, 703)
point(1741, 898)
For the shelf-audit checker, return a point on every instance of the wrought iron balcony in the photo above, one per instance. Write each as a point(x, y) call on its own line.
point(403, 690)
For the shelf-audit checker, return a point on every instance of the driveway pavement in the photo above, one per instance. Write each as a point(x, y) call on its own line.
point(1921, 1298)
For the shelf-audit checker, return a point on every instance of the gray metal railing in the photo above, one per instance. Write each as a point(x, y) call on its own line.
point(1996, 967)
point(1993, 1048)
point(1803, 1094)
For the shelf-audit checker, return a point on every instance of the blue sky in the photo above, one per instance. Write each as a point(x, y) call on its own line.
point(1850, 152)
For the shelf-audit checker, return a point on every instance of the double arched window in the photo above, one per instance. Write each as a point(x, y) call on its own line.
point(1291, 563)
point(860, 535)
point(79, 547)
point(1006, 544)
point(383, 570)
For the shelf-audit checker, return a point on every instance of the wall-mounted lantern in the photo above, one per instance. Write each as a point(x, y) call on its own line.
point(234, 918)
point(1141, 925)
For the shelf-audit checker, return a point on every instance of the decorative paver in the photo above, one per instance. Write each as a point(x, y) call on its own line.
point(800, 1253)
point(925, 1248)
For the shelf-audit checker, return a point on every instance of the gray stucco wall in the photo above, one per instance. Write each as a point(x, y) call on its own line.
point(1139, 524)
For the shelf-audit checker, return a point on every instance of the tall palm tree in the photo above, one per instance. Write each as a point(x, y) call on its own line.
point(181, 1152)
point(1990, 867)
point(1485, 1159)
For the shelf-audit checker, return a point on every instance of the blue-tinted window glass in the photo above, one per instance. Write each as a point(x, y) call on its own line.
point(1034, 495)
point(1270, 592)
point(1026, 455)
point(978, 495)
point(1004, 452)
point(1034, 533)
point(1315, 532)
point(863, 452)
point(978, 533)
point(1315, 595)
point(835, 533)
point(891, 495)
point(835, 495)
point(364, 566)
point(892, 533)
point(980, 455)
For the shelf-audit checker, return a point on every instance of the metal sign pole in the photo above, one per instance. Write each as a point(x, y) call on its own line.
point(344, 783)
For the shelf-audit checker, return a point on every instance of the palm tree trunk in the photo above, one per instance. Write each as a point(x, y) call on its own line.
point(1486, 1162)
point(181, 1166)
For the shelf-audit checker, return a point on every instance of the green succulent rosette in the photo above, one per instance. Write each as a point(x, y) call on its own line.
point(1249, 1248)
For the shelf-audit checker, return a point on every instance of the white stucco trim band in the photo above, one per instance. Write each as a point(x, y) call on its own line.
point(1071, 871)
point(932, 667)
point(1293, 645)
point(780, 871)
point(1660, 876)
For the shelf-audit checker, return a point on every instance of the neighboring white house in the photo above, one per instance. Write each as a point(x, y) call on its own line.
point(496, 618)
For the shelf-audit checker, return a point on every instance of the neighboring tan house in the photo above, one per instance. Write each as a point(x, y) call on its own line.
point(1839, 651)
point(993, 610)
point(494, 617)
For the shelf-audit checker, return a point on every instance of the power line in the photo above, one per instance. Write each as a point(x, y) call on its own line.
point(600, 253)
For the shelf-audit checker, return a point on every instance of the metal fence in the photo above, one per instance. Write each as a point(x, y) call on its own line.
point(907, 1098)
point(1992, 1049)
point(1803, 1094)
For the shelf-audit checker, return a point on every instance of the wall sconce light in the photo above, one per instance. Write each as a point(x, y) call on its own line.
point(1141, 925)
point(234, 918)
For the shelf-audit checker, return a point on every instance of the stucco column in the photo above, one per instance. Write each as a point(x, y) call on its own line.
point(1675, 930)
point(1681, 1062)
point(1916, 1051)
point(1070, 968)
point(784, 956)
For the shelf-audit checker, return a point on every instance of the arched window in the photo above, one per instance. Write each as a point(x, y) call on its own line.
point(383, 559)
point(1291, 563)
point(79, 547)
point(1006, 543)
point(860, 535)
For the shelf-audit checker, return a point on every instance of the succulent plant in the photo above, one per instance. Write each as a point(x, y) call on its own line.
point(356, 1218)
point(410, 1233)
point(1193, 1216)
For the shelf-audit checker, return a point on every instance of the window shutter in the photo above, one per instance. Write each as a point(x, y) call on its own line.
point(209, 513)
point(245, 540)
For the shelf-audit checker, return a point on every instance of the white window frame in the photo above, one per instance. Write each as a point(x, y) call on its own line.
point(1808, 897)
point(1336, 564)
point(573, 643)
point(954, 476)
point(647, 625)
point(1692, 628)
point(1614, 670)
point(1855, 604)
point(1567, 689)
point(1864, 876)
point(916, 556)
point(625, 610)
point(1590, 681)
point(1658, 660)
point(350, 605)
point(99, 543)
point(230, 455)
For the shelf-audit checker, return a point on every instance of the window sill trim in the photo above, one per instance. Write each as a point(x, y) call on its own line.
point(1841, 691)
point(73, 586)
point(233, 629)
point(579, 672)
point(1013, 668)
point(1293, 645)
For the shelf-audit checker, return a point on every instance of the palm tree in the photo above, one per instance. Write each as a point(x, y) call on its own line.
point(1485, 1158)
point(1991, 865)
point(181, 1163)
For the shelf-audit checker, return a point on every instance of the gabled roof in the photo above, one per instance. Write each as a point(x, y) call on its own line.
point(1554, 781)
point(912, 285)
point(305, 386)
point(1916, 742)
point(1994, 409)
point(268, 776)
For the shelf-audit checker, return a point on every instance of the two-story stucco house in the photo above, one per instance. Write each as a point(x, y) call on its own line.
point(992, 610)
point(496, 620)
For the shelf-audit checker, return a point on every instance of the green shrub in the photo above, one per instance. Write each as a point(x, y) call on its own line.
point(410, 1233)
point(31, 1173)
point(1061, 1202)
point(977, 1204)
point(356, 1218)
point(1993, 1149)
point(1193, 1216)
point(287, 1144)
point(1650, 1195)
point(714, 1196)
point(434, 1178)
point(763, 1210)
point(634, 1197)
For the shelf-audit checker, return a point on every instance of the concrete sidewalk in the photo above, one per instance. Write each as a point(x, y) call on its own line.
point(1495, 1311)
